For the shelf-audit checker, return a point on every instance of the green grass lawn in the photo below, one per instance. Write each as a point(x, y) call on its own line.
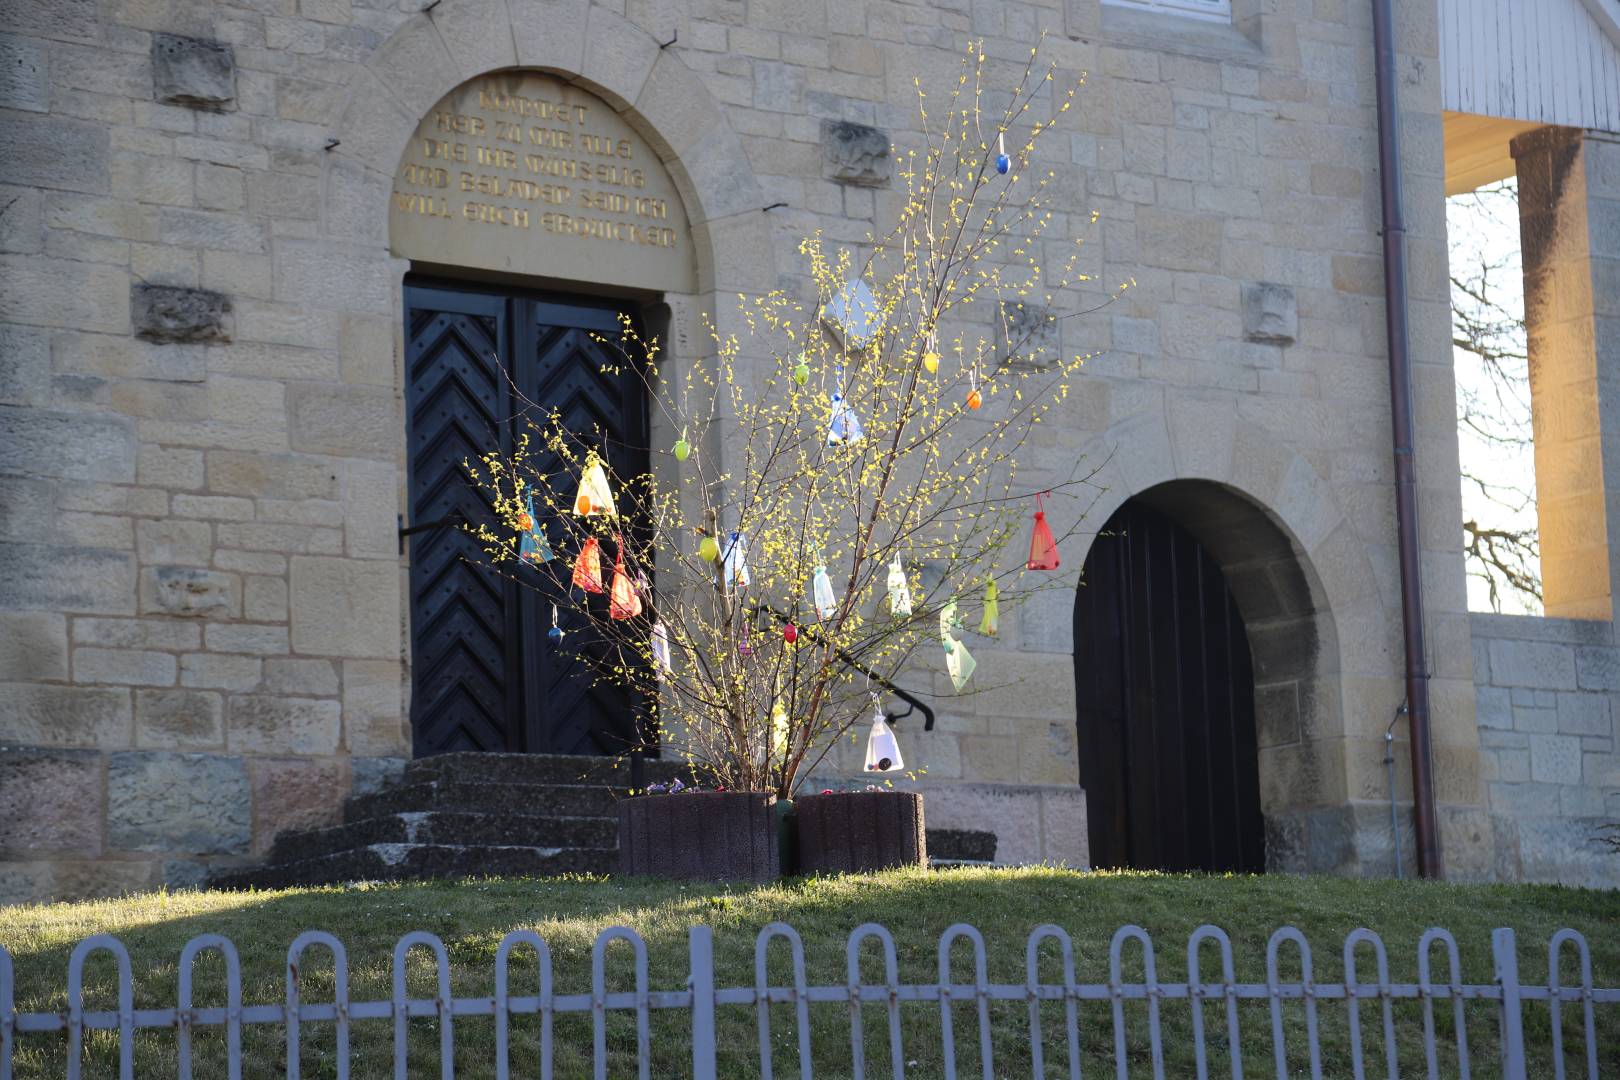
point(472, 916)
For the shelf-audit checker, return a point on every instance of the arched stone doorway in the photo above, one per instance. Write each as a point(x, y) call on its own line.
point(1200, 630)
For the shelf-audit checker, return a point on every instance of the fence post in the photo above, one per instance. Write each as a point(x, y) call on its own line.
point(1505, 948)
point(701, 942)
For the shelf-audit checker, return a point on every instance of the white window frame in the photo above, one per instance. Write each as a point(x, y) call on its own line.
point(1208, 10)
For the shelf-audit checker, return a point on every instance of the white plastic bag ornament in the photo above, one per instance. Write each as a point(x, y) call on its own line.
point(734, 561)
point(899, 590)
point(595, 497)
point(882, 748)
point(958, 661)
point(843, 426)
point(662, 664)
point(821, 595)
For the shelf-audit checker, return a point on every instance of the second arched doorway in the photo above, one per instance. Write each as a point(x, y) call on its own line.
point(1167, 736)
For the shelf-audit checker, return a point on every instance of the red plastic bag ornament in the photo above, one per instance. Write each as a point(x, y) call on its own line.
point(1043, 552)
point(588, 567)
point(626, 603)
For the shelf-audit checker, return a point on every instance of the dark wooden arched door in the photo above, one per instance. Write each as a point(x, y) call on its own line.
point(1165, 689)
point(484, 676)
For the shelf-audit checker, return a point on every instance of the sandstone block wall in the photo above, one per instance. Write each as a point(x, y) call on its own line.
point(199, 494)
point(1548, 730)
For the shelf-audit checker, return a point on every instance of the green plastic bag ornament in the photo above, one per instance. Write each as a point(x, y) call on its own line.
point(958, 661)
point(801, 371)
point(990, 621)
point(683, 449)
point(899, 590)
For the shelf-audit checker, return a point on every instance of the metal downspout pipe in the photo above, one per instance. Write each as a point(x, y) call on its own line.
point(1400, 400)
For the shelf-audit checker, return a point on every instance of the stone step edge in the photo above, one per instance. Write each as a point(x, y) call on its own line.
point(290, 836)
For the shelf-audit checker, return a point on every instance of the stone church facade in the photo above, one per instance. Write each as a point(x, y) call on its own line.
point(208, 214)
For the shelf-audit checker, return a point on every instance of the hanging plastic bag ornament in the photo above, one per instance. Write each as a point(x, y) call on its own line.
point(588, 566)
point(882, 748)
point(734, 563)
point(683, 449)
point(626, 600)
point(990, 621)
point(1043, 552)
point(821, 595)
point(533, 547)
point(1003, 162)
point(899, 590)
point(958, 661)
point(844, 427)
point(659, 643)
point(595, 497)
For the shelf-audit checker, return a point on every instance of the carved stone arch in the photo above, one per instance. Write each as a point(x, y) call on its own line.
point(1299, 575)
point(650, 87)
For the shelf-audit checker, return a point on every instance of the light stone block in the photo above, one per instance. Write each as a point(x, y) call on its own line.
point(179, 720)
point(373, 709)
point(261, 724)
point(344, 607)
point(33, 647)
point(211, 671)
point(1532, 664)
point(301, 678)
point(183, 590)
point(170, 541)
point(67, 579)
point(40, 715)
point(1555, 759)
point(130, 667)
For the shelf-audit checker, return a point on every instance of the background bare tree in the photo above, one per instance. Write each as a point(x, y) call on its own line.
point(1500, 539)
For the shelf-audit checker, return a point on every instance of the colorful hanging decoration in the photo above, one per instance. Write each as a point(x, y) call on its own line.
point(708, 549)
point(595, 497)
point(930, 357)
point(626, 598)
point(990, 621)
point(588, 567)
point(958, 661)
point(844, 426)
point(683, 449)
point(790, 633)
point(882, 748)
point(555, 634)
point(1043, 552)
point(533, 547)
point(745, 644)
point(974, 398)
point(734, 563)
point(821, 595)
point(1003, 162)
point(663, 665)
point(801, 371)
point(899, 590)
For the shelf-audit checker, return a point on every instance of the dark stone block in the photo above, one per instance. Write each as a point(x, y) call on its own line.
point(964, 845)
point(858, 831)
point(189, 71)
point(702, 835)
point(171, 313)
point(855, 154)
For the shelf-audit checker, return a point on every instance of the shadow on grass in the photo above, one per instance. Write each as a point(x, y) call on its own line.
point(471, 917)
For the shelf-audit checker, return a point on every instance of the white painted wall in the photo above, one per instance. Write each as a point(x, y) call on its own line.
point(1550, 61)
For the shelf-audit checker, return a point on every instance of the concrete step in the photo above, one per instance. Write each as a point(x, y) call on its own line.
point(443, 827)
point(407, 862)
point(540, 769)
point(539, 800)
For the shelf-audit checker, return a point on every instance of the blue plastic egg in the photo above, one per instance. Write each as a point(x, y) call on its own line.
point(1003, 163)
point(555, 635)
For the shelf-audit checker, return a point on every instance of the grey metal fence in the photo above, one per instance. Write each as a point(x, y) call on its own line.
point(955, 1000)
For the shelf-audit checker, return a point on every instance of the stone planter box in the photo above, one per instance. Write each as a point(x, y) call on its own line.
point(860, 830)
point(700, 835)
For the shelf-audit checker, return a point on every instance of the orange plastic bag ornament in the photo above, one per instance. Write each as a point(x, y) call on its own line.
point(595, 497)
point(588, 567)
point(626, 603)
point(1043, 552)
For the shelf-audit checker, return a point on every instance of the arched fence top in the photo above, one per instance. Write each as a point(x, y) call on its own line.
point(702, 1000)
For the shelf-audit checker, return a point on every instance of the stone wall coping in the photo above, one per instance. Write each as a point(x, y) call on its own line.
point(1486, 624)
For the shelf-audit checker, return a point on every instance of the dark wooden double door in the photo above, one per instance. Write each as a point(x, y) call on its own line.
point(480, 366)
point(1165, 689)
